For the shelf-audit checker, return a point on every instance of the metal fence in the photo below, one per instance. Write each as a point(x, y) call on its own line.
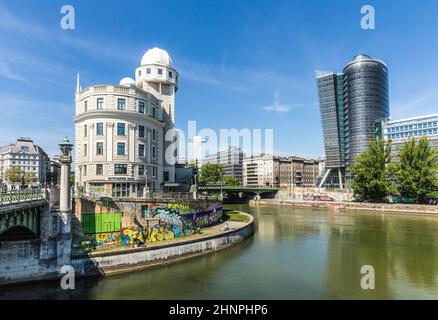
point(12, 197)
point(151, 196)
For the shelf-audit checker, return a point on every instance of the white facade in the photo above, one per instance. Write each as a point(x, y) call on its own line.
point(399, 131)
point(276, 171)
point(28, 157)
point(258, 171)
point(120, 131)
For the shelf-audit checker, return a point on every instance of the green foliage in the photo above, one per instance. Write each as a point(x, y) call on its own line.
point(417, 171)
point(229, 181)
point(211, 173)
point(14, 175)
point(373, 175)
point(30, 177)
point(236, 216)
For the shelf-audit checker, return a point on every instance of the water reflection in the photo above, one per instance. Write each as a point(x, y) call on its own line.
point(295, 254)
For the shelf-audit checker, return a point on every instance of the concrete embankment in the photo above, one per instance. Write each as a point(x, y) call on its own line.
point(104, 263)
point(353, 206)
point(126, 260)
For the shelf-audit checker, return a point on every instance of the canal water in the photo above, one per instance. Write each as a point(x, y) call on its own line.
point(295, 254)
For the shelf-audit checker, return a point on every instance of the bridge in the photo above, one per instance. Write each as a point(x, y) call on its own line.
point(254, 189)
point(239, 194)
point(20, 214)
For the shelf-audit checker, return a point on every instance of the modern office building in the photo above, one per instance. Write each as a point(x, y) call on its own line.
point(231, 160)
point(283, 172)
point(351, 102)
point(28, 157)
point(399, 131)
point(120, 131)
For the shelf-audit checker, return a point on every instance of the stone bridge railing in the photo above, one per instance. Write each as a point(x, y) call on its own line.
point(14, 197)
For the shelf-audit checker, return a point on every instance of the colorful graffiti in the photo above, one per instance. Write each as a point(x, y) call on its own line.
point(175, 220)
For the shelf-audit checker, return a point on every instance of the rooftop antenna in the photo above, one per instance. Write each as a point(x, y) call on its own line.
point(78, 84)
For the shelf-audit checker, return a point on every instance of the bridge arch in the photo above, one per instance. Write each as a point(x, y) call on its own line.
point(25, 217)
point(17, 233)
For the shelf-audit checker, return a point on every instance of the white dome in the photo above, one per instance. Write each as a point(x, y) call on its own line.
point(127, 82)
point(156, 55)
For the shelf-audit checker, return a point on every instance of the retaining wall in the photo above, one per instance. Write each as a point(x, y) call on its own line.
point(354, 206)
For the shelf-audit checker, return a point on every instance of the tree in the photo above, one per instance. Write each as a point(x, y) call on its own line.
point(30, 177)
point(14, 175)
point(373, 175)
point(211, 173)
point(229, 181)
point(417, 170)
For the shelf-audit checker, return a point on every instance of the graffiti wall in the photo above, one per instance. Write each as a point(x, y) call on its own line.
point(157, 221)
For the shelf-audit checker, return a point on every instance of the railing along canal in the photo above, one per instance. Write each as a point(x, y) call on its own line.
point(150, 196)
point(13, 197)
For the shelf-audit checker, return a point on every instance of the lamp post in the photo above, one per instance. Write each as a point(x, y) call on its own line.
point(65, 188)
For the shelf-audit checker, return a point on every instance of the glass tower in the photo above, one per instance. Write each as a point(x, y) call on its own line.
point(351, 102)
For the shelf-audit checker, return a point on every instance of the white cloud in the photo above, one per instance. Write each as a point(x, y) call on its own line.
point(279, 107)
point(276, 107)
point(417, 103)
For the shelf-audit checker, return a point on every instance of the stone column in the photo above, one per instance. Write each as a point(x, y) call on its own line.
point(64, 237)
point(65, 193)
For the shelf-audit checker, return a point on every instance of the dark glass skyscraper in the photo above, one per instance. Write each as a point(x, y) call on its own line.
point(351, 102)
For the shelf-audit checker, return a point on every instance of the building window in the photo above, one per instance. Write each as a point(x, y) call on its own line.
point(141, 170)
point(99, 129)
point(99, 148)
point(121, 104)
point(121, 148)
point(166, 176)
point(154, 152)
point(85, 130)
point(120, 168)
point(141, 150)
point(141, 107)
point(85, 170)
point(160, 72)
point(170, 75)
point(139, 73)
point(85, 150)
point(120, 129)
point(141, 131)
point(99, 169)
point(154, 171)
point(153, 112)
point(99, 104)
point(148, 70)
point(154, 134)
point(85, 106)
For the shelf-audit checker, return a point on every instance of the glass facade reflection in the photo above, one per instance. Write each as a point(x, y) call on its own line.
point(366, 101)
point(328, 100)
point(351, 102)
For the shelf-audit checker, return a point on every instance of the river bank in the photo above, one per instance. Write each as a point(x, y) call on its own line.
point(405, 209)
point(295, 253)
point(213, 239)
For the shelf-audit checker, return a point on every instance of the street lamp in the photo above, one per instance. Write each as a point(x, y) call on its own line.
point(66, 147)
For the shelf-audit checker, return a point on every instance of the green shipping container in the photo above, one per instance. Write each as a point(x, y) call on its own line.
point(101, 222)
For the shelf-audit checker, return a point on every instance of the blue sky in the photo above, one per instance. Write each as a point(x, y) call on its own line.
point(243, 64)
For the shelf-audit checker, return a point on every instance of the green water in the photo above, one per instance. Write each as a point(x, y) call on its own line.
point(295, 254)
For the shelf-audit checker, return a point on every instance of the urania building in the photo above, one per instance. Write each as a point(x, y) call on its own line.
point(120, 131)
